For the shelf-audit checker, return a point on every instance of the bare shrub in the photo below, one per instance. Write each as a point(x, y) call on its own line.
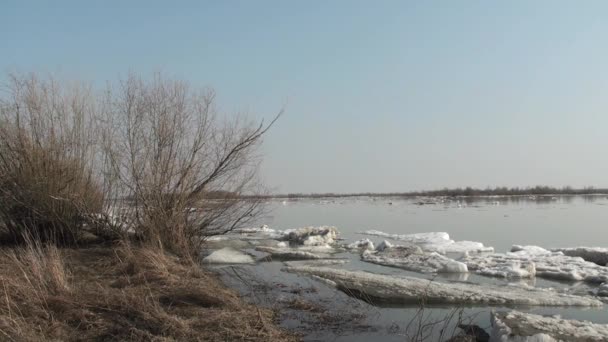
point(183, 167)
point(148, 157)
point(47, 187)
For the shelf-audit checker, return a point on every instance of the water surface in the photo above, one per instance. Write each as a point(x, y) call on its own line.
point(499, 222)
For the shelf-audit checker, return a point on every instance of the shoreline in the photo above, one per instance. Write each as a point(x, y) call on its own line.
point(118, 292)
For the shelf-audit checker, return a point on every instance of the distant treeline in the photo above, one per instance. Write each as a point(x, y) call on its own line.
point(460, 192)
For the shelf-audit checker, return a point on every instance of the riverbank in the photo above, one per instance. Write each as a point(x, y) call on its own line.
point(121, 293)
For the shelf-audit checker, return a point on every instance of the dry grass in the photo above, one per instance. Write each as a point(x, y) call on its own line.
point(120, 294)
point(305, 305)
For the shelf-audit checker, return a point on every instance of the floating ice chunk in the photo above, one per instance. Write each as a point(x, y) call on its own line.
point(288, 254)
point(419, 238)
point(510, 269)
point(253, 230)
point(322, 249)
point(412, 258)
point(602, 290)
point(266, 243)
point(316, 240)
point(312, 236)
point(462, 247)
point(366, 244)
point(253, 233)
point(383, 245)
point(515, 326)
point(409, 290)
point(439, 242)
point(527, 260)
point(529, 250)
point(217, 238)
point(317, 262)
point(596, 255)
point(282, 244)
point(228, 256)
point(454, 266)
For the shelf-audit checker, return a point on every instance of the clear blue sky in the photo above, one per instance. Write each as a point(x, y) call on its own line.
point(381, 95)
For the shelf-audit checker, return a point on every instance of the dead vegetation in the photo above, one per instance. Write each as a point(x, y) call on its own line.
point(183, 166)
point(145, 169)
point(47, 185)
point(118, 294)
point(304, 305)
point(151, 158)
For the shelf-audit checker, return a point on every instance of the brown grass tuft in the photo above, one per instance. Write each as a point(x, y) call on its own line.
point(126, 293)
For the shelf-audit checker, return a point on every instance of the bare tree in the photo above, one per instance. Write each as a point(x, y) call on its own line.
point(183, 167)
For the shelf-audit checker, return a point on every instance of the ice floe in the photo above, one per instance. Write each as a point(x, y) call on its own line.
point(602, 290)
point(384, 245)
point(312, 236)
point(529, 250)
point(287, 254)
point(507, 269)
point(254, 230)
point(596, 255)
point(317, 262)
point(410, 290)
point(530, 261)
point(515, 326)
point(439, 242)
point(413, 258)
point(454, 266)
point(228, 255)
point(217, 238)
point(365, 244)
